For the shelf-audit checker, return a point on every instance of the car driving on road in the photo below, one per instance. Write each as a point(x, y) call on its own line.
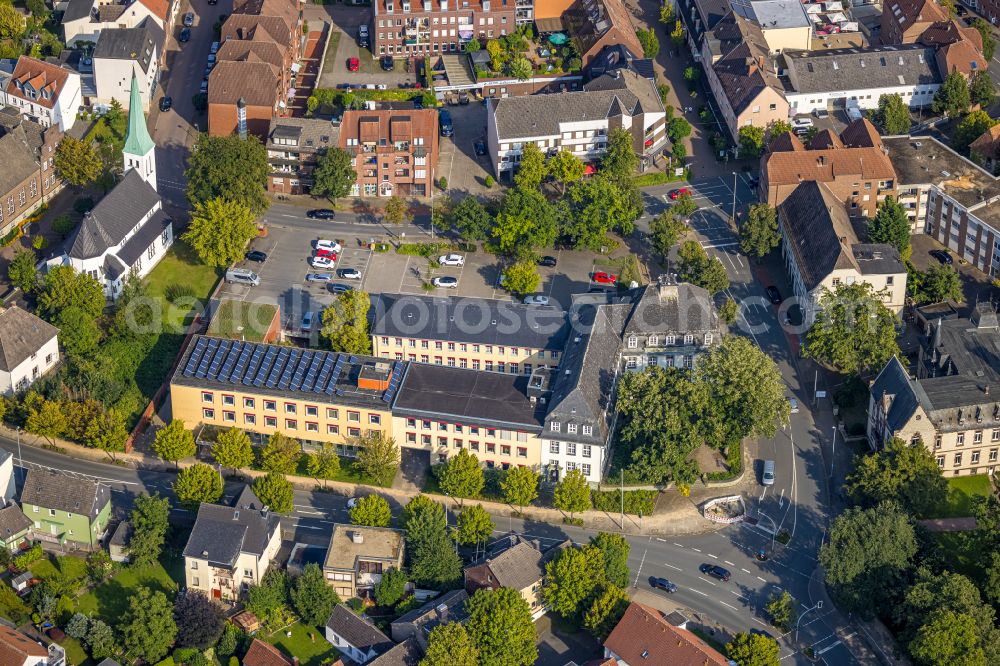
point(662, 584)
point(320, 214)
point(165, 103)
point(715, 571)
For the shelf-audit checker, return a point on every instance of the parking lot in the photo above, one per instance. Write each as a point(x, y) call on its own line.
point(457, 160)
point(289, 250)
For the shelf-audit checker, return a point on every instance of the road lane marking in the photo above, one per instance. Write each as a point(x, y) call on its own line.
point(744, 570)
point(732, 564)
point(708, 581)
point(760, 622)
point(661, 540)
point(678, 545)
point(761, 579)
point(827, 649)
point(699, 592)
point(697, 550)
point(639, 570)
point(713, 556)
point(736, 594)
point(729, 605)
point(672, 567)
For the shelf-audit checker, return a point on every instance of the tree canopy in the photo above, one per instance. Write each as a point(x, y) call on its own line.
point(952, 98)
point(695, 266)
point(312, 597)
point(232, 449)
point(345, 323)
point(891, 226)
point(378, 456)
point(372, 510)
point(526, 221)
point(275, 491)
point(197, 484)
point(753, 649)
point(174, 442)
point(76, 161)
point(461, 475)
point(230, 168)
point(334, 176)
point(433, 560)
point(520, 486)
point(854, 331)
point(751, 140)
point(149, 521)
point(970, 128)
point(938, 283)
point(501, 627)
point(450, 645)
point(148, 628)
point(759, 232)
point(903, 472)
point(893, 114)
point(532, 169)
point(220, 231)
point(572, 493)
point(200, 620)
point(471, 220)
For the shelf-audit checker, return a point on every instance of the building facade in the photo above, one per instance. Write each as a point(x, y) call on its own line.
point(29, 348)
point(66, 509)
point(394, 151)
point(29, 177)
point(44, 93)
point(432, 27)
point(293, 147)
point(124, 53)
point(577, 121)
point(84, 20)
point(358, 556)
point(515, 563)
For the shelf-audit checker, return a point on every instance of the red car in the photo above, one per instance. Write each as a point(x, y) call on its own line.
point(352, 64)
point(605, 278)
point(323, 252)
point(677, 194)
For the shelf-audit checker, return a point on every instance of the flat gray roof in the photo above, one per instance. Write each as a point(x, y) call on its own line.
point(773, 14)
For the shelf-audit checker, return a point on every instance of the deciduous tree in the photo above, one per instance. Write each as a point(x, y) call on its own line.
point(390, 588)
point(695, 266)
point(614, 550)
point(372, 511)
point(220, 230)
point(893, 114)
point(232, 449)
point(345, 323)
point(938, 283)
point(106, 432)
point(759, 232)
point(281, 454)
point(64, 288)
point(982, 90)
point(461, 475)
point(149, 519)
point(395, 211)
point(620, 161)
point(606, 611)
point(433, 560)
point(324, 463)
point(450, 645)
point(666, 229)
point(520, 486)
point(783, 610)
point(854, 331)
point(21, 270)
point(334, 176)
point(470, 219)
point(572, 579)
point(751, 140)
point(76, 161)
point(174, 442)
point(148, 628)
point(903, 472)
point(500, 625)
point(48, 420)
point(948, 638)
point(596, 206)
point(415, 506)
point(199, 619)
point(520, 68)
point(275, 491)
point(197, 484)
point(312, 597)
point(521, 278)
point(474, 526)
point(989, 42)
point(378, 456)
point(751, 649)
point(952, 98)
point(231, 168)
point(649, 42)
point(891, 226)
point(532, 169)
point(572, 493)
point(566, 168)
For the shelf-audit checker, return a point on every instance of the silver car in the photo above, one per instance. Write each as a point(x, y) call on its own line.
point(319, 277)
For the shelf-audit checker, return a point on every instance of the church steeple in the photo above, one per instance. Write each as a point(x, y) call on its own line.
point(139, 148)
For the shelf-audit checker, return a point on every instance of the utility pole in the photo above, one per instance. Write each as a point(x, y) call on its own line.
point(623, 500)
point(833, 453)
point(734, 198)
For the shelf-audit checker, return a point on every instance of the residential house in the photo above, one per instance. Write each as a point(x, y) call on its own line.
point(15, 528)
point(597, 24)
point(69, 510)
point(783, 23)
point(29, 348)
point(822, 252)
point(231, 547)
point(293, 147)
point(577, 121)
point(124, 53)
point(16, 649)
point(7, 485)
point(517, 563)
point(44, 93)
point(355, 637)
point(264, 654)
point(854, 167)
point(442, 410)
point(985, 150)
point(699, 17)
point(741, 74)
point(618, 56)
point(856, 78)
point(407, 653)
point(953, 200)
point(118, 543)
point(394, 151)
point(481, 334)
point(912, 21)
point(313, 396)
point(672, 323)
point(250, 83)
point(643, 636)
point(430, 28)
point(577, 430)
point(128, 232)
point(29, 178)
point(358, 556)
point(947, 404)
point(85, 20)
point(7, 66)
point(417, 624)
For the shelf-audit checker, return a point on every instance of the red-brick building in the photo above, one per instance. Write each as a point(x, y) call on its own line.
point(27, 178)
point(432, 27)
point(394, 150)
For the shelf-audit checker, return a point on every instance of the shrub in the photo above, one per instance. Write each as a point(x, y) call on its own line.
point(28, 557)
point(83, 205)
point(422, 249)
point(355, 604)
point(39, 242)
point(636, 501)
point(489, 181)
point(443, 183)
point(177, 291)
point(63, 225)
point(734, 461)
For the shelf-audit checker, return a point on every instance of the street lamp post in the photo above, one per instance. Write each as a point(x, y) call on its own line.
point(734, 198)
point(818, 606)
point(20, 463)
point(833, 453)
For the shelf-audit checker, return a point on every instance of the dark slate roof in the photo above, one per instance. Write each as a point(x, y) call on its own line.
point(584, 386)
point(407, 653)
point(122, 535)
point(20, 154)
point(893, 384)
point(13, 521)
point(21, 335)
point(147, 234)
point(346, 624)
point(468, 396)
point(857, 69)
point(221, 532)
point(114, 217)
point(744, 69)
point(469, 320)
point(815, 221)
point(141, 43)
point(429, 615)
point(877, 259)
point(77, 9)
point(675, 309)
point(52, 490)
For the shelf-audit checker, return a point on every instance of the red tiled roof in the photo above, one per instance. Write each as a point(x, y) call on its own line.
point(825, 138)
point(255, 82)
point(785, 142)
point(861, 134)
point(642, 636)
point(265, 654)
point(15, 647)
point(988, 143)
point(160, 8)
point(961, 57)
point(40, 76)
point(790, 168)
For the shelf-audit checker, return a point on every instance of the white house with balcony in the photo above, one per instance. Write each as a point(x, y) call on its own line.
point(576, 121)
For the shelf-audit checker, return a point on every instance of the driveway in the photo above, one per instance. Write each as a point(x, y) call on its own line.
point(457, 160)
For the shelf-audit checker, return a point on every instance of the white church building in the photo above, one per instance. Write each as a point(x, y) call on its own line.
point(128, 231)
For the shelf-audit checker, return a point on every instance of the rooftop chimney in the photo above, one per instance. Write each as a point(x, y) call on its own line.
point(357, 537)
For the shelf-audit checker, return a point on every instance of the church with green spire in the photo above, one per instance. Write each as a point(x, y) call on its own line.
point(128, 232)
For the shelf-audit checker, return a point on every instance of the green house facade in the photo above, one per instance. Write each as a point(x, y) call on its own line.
point(64, 509)
point(15, 528)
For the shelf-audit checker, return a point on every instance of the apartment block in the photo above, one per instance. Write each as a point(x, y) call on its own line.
point(394, 150)
point(358, 556)
point(44, 93)
point(293, 147)
point(946, 404)
point(29, 178)
point(431, 27)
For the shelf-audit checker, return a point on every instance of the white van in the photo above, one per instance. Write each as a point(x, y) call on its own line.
point(242, 276)
point(767, 478)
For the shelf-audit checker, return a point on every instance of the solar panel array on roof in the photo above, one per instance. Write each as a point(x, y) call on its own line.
point(281, 368)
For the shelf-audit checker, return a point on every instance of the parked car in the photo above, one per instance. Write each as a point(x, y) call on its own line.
point(715, 571)
point(536, 299)
point(203, 88)
point(321, 262)
point(349, 273)
point(324, 252)
point(388, 63)
point(307, 321)
point(942, 256)
point(256, 256)
point(319, 277)
point(211, 59)
point(480, 147)
point(352, 65)
point(821, 113)
point(802, 124)
point(352, 502)
point(446, 281)
point(166, 103)
point(774, 295)
point(463, 98)
point(662, 584)
point(451, 260)
point(601, 277)
point(320, 214)
point(188, 19)
point(444, 119)
point(336, 288)
point(678, 193)
point(547, 261)
point(215, 47)
point(793, 405)
point(185, 35)
point(329, 246)
point(242, 276)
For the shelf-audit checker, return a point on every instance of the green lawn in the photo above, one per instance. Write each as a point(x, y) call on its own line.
point(961, 490)
point(961, 552)
point(70, 567)
point(333, 40)
point(311, 651)
point(75, 654)
point(110, 600)
point(240, 320)
point(348, 472)
point(181, 270)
